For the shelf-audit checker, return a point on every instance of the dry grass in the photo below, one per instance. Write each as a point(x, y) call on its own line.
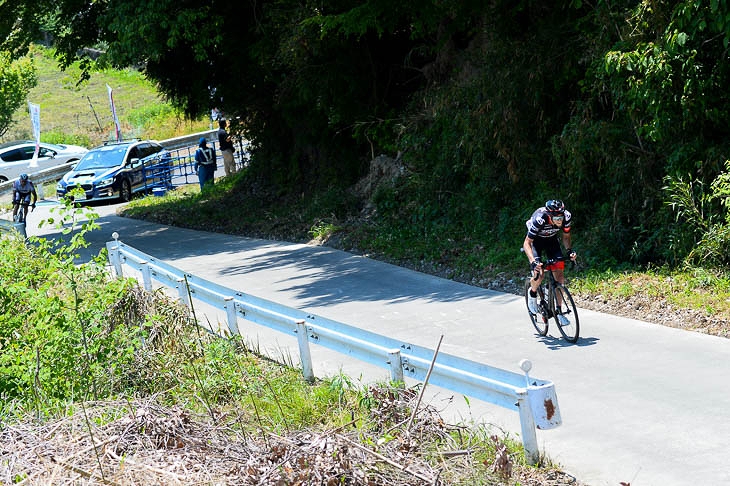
point(143, 442)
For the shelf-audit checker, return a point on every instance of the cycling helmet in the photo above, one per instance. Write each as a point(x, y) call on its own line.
point(555, 206)
point(23, 177)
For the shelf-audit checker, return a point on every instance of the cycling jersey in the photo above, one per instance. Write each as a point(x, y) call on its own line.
point(26, 188)
point(538, 226)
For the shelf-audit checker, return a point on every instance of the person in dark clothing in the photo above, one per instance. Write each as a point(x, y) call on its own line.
point(23, 190)
point(205, 164)
point(226, 147)
point(543, 229)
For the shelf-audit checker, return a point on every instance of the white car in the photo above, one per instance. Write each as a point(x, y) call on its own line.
point(15, 157)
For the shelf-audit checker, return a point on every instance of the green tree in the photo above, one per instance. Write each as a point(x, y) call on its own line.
point(316, 85)
point(17, 78)
point(654, 105)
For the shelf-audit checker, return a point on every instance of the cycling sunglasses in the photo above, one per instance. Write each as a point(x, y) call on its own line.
point(558, 219)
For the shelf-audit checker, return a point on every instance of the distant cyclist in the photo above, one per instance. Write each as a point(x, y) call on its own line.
point(23, 189)
point(543, 229)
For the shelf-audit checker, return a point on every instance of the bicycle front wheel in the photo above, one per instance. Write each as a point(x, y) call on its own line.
point(566, 314)
point(539, 321)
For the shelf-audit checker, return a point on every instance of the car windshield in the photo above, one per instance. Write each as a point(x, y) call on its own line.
point(103, 158)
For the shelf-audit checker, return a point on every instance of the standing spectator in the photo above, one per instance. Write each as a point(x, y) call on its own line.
point(205, 163)
point(215, 115)
point(226, 147)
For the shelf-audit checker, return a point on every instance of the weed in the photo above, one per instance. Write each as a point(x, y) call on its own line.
point(323, 230)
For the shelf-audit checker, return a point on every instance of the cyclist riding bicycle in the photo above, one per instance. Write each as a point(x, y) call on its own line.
point(23, 189)
point(543, 229)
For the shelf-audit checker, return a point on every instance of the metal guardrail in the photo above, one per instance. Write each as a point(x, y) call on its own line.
point(535, 400)
point(39, 178)
point(188, 140)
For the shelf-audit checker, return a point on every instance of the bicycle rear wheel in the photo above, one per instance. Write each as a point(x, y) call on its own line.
point(539, 321)
point(567, 310)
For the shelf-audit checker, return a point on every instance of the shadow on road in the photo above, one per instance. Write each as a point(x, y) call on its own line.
point(316, 275)
point(554, 342)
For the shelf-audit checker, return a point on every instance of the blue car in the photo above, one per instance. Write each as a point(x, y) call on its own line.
point(117, 171)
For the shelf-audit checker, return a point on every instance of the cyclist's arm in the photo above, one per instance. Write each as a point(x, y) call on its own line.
point(34, 194)
point(566, 241)
point(527, 246)
point(568, 246)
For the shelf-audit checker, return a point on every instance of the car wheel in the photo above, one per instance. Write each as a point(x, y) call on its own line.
point(125, 193)
point(3, 179)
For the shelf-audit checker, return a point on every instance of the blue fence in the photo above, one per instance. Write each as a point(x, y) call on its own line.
point(176, 166)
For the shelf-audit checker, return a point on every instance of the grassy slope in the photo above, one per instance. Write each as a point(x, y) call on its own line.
point(81, 114)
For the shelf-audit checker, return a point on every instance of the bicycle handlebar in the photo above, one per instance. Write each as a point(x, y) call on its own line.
point(552, 261)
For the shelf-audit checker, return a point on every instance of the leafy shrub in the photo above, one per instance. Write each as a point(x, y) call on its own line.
point(702, 234)
point(55, 340)
point(67, 330)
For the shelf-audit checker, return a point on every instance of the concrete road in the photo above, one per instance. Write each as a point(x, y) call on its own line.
point(640, 403)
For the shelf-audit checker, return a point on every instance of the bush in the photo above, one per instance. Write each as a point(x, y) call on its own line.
point(703, 233)
point(65, 327)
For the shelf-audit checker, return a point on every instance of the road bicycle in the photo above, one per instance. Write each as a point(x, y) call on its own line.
point(553, 300)
point(20, 217)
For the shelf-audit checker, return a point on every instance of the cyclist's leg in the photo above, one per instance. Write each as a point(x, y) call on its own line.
point(16, 203)
point(537, 249)
point(26, 203)
point(553, 252)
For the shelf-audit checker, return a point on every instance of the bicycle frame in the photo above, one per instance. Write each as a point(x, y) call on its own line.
point(20, 216)
point(555, 302)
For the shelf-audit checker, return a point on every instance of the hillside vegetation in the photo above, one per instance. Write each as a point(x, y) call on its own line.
point(618, 108)
point(78, 112)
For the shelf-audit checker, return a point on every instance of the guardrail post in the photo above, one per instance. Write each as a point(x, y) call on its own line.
point(527, 425)
point(396, 366)
point(182, 292)
point(146, 276)
point(115, 257)
point(230, 306)
point(304, 355)
point(116, 261)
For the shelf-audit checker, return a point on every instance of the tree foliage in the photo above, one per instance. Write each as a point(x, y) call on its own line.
point(500, 104)
point(17, 78)
point(654, 105)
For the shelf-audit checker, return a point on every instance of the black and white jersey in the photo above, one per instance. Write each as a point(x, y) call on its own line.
point(539, 226)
